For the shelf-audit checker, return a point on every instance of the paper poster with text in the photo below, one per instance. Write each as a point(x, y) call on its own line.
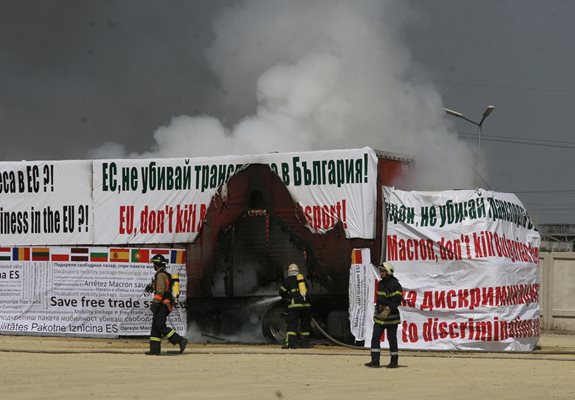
point(46, 202)
point(145, 201)
point(468, 264)
point(363, 278)
point(83, 291)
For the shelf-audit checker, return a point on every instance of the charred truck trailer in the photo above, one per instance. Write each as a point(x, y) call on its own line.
point(254, 227)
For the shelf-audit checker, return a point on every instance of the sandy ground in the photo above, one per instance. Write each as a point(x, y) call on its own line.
point(65, 368)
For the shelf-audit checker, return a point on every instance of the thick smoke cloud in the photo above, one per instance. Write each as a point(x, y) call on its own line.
point(318, 74)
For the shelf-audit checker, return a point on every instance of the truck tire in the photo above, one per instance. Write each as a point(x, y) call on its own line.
point(274, 324)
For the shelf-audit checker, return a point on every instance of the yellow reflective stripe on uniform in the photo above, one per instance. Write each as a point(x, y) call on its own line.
point(288, 334)
point(390, 322)
point(294, 305)
point(170, 334)
point(155, 339)
point(384, 294)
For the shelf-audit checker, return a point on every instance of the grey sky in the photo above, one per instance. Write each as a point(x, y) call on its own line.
point(518, 56)
point(153, 78)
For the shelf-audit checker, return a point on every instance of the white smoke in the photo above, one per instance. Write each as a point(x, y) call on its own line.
point(314, 75)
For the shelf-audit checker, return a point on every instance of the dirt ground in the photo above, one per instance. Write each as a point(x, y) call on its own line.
point(73, 368)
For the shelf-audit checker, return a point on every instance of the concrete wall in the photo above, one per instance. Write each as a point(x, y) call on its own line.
point(557, 274)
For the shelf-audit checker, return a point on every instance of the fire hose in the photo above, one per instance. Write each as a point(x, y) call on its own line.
point(334, 340)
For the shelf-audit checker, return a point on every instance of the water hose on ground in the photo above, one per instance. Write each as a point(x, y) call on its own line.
point(334, 340)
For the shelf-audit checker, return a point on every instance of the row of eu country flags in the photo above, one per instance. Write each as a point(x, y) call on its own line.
point(91, 254)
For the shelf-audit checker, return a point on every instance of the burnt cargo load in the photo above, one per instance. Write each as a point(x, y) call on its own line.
point(252, 230)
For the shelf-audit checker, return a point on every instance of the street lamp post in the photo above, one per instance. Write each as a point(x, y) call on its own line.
point(486, 113)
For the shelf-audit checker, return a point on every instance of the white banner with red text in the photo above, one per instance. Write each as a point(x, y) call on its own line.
point(166, 200)
point(149, 201)
point(83, 291)
point(46, 202)
point(468, 263)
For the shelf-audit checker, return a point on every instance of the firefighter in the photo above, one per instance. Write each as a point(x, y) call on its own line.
point(387, 318)
point(162, 305)
point(293, 291)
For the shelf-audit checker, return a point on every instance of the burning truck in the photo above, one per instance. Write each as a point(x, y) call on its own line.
point(77, 237)
point(81, 233)
point(255, 226)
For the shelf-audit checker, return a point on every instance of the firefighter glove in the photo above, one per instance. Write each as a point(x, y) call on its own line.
point(383, 314)
point(149, 289)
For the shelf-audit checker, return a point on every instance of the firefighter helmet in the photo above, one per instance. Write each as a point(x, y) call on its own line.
point(387, 267)
point(293, 269)
point(159, 259)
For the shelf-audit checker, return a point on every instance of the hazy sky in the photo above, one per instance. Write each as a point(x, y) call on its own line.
point(141, 78)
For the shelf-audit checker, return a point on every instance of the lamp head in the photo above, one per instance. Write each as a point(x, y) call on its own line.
point(488, 111)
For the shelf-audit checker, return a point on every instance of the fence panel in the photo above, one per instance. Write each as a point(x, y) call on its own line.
point(557, 273)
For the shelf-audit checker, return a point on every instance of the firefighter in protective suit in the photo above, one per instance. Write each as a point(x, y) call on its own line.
point(162, 305)
point(386, 318)
point(294, 291)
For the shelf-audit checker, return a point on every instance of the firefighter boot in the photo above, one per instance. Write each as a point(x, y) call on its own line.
point(173, 337)
point(155, 347)
point(290, 342)
point(176, 339)
point(393, 362)
point(374, 363)
point(183, 343)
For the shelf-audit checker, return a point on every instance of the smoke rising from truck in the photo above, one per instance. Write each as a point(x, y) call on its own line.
point(318, 74)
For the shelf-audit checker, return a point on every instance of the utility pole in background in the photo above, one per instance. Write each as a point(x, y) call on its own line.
point(479, 124)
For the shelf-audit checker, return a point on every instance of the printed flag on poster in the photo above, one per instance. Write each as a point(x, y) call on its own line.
point(21, 254)
point(119, 255)
point(99, 255)
point(140, 256)
point(40, 254)
point(178, 257)
point(5, 253)
point(60, 254)
point(164, 252)
point(356, 257)
point(79, 254)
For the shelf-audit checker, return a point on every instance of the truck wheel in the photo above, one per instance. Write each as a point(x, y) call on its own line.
point(274, 324)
